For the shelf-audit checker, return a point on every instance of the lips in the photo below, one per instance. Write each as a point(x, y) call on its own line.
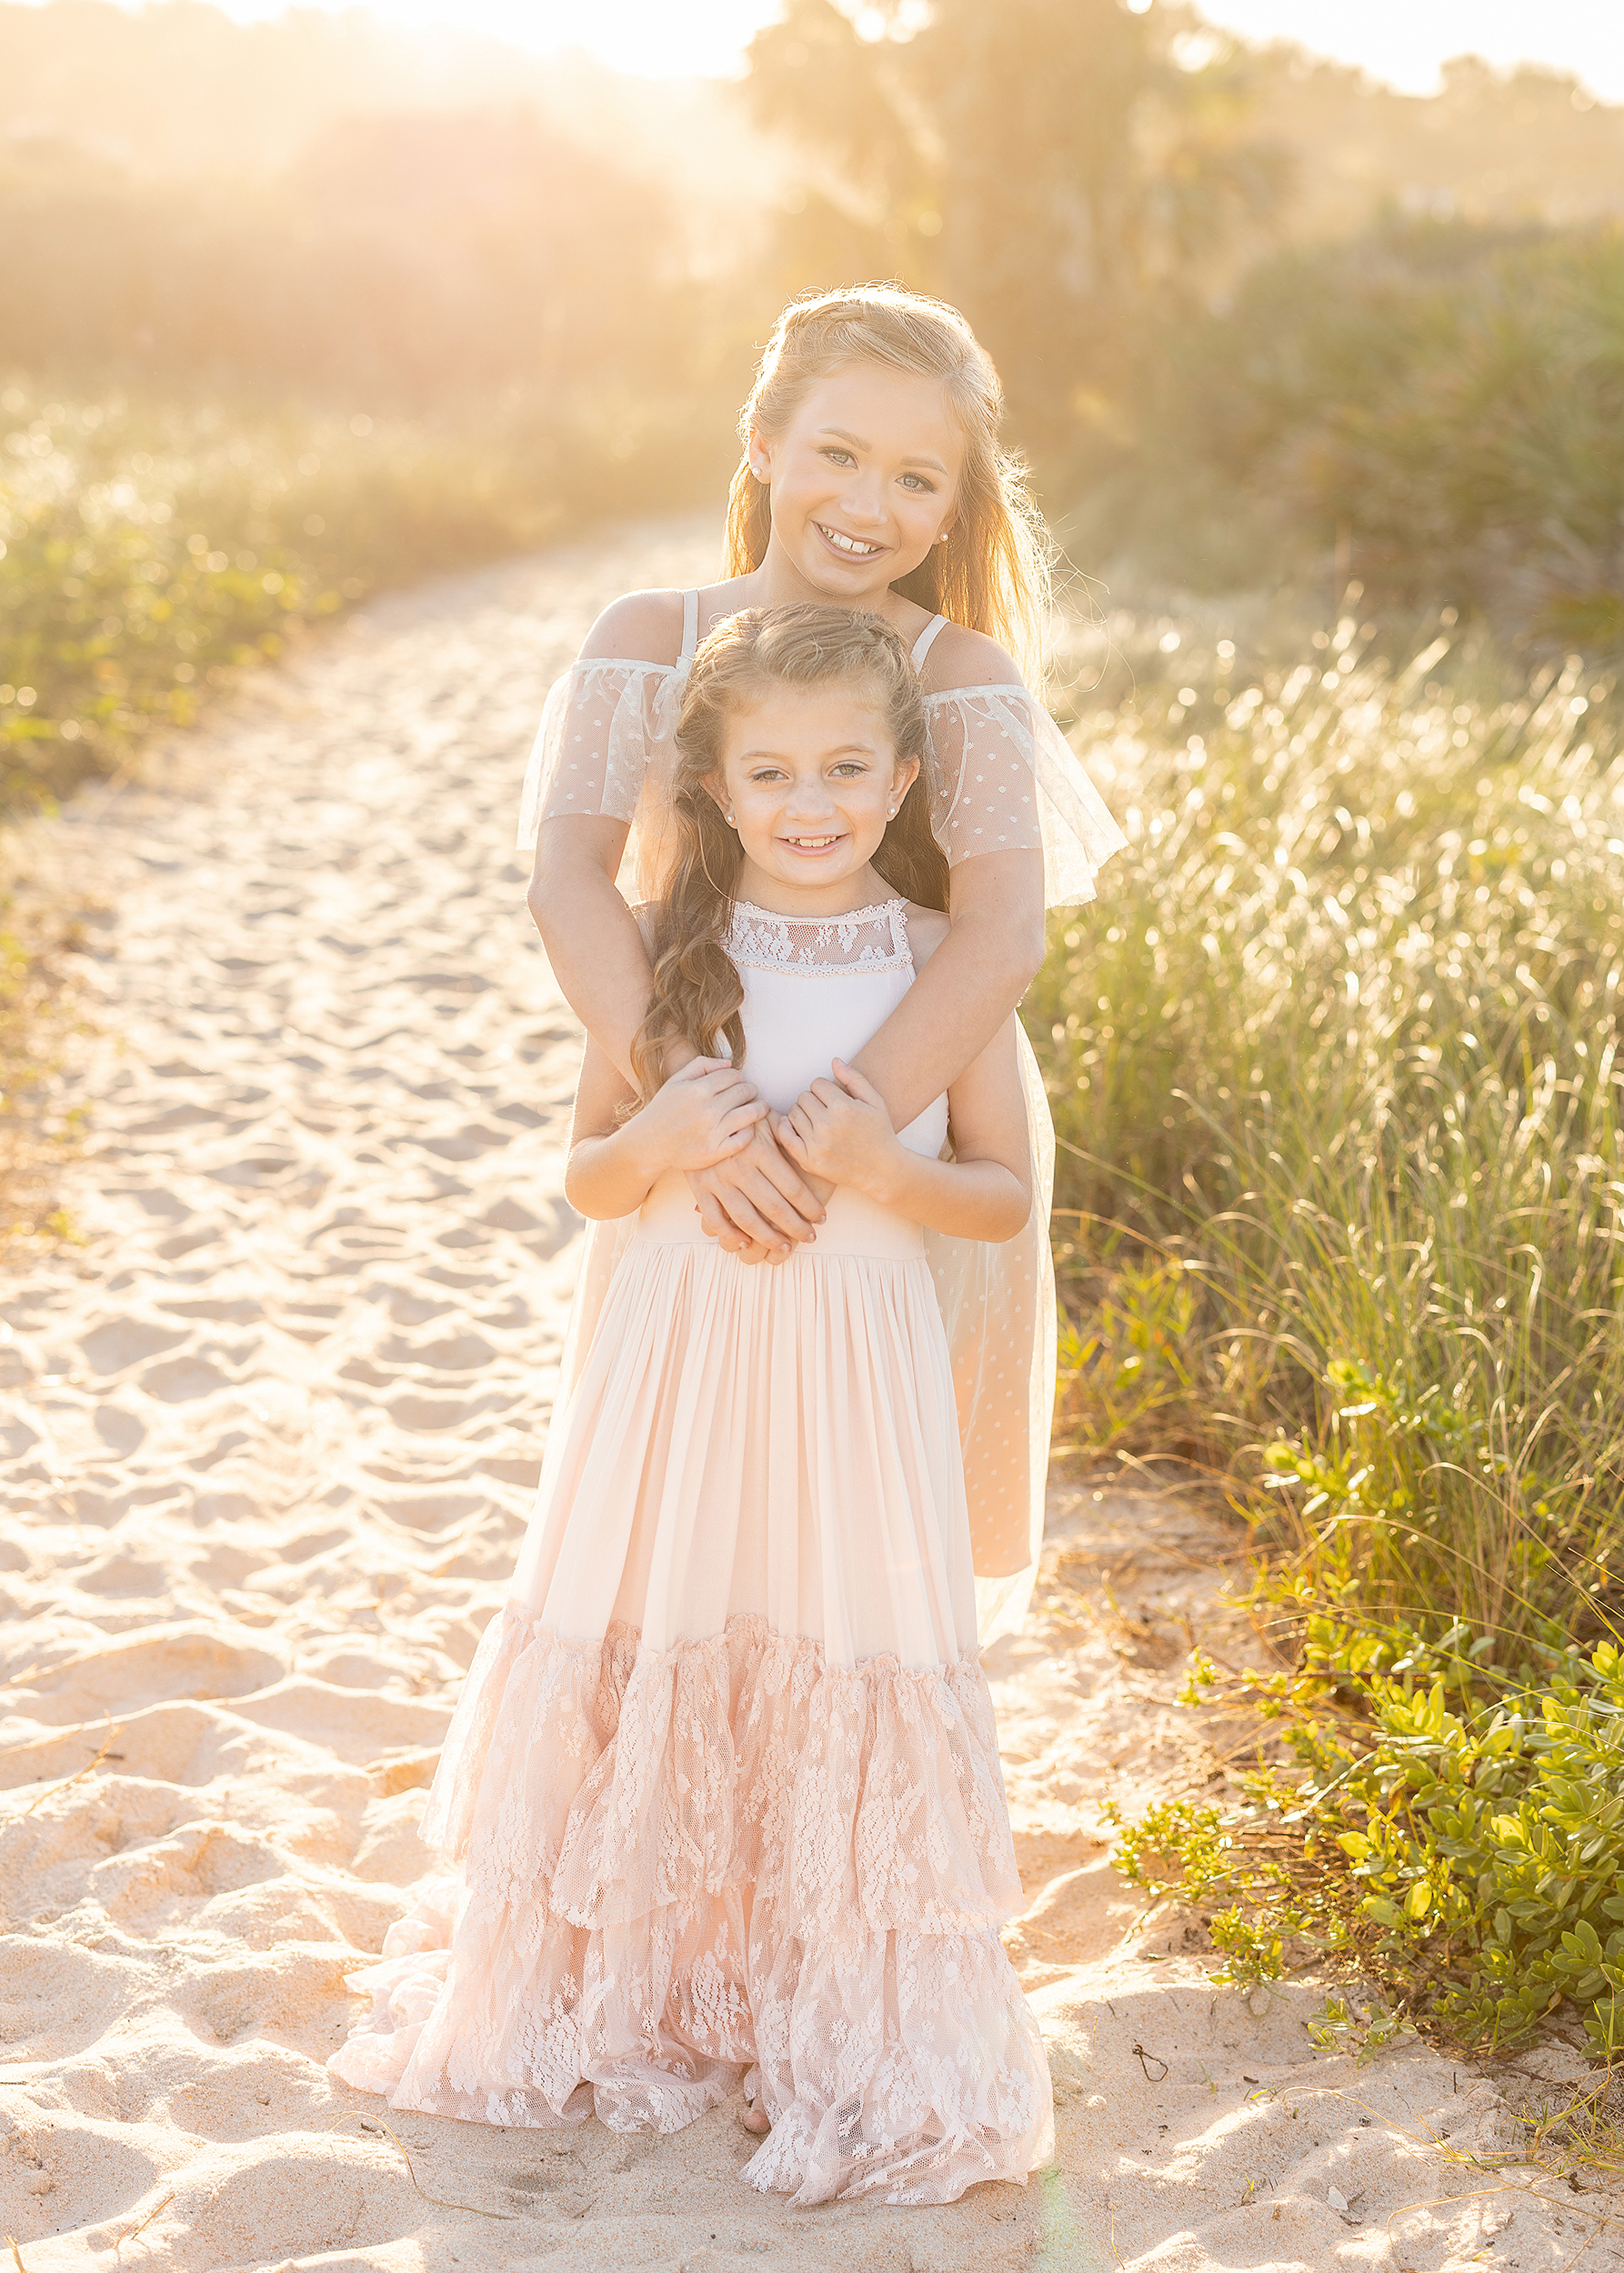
point(853, 547)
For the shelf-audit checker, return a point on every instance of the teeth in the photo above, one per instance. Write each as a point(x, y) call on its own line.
point(848, 544)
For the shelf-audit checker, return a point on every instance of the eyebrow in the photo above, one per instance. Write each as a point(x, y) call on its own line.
point(915, 458)
point(779, 757)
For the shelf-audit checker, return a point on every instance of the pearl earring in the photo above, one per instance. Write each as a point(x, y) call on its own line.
point(727, 817)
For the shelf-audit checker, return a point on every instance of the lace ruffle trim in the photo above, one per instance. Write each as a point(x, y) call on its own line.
point(598, 1781)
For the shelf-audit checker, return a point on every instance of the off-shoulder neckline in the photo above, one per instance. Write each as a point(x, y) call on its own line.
point(673, 670)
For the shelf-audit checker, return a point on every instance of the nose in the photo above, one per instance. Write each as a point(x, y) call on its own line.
point(809, 801)
point(864, 498)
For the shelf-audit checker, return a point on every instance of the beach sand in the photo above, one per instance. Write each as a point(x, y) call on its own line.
point(268, 1433)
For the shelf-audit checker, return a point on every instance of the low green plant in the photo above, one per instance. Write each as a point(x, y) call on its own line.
point(1462, 1836)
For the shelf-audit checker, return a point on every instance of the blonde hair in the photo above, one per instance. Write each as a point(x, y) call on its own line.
point(697, 993)
point(992, 573)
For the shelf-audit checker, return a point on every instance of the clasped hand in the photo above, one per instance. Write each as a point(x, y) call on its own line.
point(768, 1196)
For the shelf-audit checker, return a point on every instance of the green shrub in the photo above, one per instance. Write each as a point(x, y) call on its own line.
point(1437, 408)
point(1461, 1835)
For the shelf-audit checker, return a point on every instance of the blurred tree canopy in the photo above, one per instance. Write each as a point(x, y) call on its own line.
point(401, 258)
point(1055, 167)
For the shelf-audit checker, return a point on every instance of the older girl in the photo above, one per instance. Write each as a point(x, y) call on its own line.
point(724, 1778)
point(872, 478)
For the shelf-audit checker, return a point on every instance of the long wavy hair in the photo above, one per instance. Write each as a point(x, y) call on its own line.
point(697, 993)
point(992, 573)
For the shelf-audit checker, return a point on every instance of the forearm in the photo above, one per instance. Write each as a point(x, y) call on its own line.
point(968, 1199)
point(590, 935)
point(608, 1176)
point(968, 988)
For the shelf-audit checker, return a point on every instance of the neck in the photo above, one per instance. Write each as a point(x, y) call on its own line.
point(862, 889)
point(778, 582)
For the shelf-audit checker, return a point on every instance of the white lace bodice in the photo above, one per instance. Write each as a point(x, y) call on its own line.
point(817, 987)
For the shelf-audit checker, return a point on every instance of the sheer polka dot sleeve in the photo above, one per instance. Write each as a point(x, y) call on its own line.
point(603, 724)
point(1002, 778)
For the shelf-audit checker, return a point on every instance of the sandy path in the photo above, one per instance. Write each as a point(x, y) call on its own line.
point(267, 1439)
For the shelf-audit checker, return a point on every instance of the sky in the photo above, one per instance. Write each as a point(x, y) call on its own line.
point(1400, 41)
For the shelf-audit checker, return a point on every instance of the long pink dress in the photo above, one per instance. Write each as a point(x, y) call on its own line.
point(723, 1784)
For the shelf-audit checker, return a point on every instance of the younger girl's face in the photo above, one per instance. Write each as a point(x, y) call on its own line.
point(811, 780)
point(864, 480)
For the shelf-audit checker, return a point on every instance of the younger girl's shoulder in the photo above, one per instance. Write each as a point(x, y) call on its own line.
point(960, 659)
point(927, 928)
point(639, 628)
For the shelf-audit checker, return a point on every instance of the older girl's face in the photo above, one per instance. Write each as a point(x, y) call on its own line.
point(810, 779)
point(864, 480)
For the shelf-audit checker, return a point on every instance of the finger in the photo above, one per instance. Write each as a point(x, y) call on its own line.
point(803, 1123)
point(772, 1207)
point(741, 1121)
point(828, 1092)
point(755, 1226)
point(857, 1085)
point(794, 1143)
point(725, 1082)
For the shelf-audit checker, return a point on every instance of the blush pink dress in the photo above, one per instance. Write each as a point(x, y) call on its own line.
point(723, 1786)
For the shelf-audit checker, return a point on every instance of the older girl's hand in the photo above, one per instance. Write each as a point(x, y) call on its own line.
point(840, 1130)
point(704, 1114)
point(756, 1202)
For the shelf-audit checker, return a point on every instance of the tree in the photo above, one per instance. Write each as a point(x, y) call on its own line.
point(1058, 168)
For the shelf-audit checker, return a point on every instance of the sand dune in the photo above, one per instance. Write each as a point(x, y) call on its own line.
point(267, 1434)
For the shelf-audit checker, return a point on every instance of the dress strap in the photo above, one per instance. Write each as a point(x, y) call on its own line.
point(901, 946)
point(923, 644)
point(690, 626)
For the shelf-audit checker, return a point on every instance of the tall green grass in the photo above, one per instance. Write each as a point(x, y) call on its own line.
point(1335, 1072)
point(147, 550)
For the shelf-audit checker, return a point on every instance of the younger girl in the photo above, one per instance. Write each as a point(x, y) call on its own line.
point(724, 1778)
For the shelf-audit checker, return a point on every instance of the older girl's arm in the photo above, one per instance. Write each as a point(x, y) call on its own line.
point(964, 994)
point(589, 933)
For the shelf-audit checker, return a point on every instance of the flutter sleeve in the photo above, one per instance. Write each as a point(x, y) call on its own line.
point(602, 723)
point(1002, 778)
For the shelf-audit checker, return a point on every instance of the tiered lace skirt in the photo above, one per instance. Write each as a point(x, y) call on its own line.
point(722, 1790)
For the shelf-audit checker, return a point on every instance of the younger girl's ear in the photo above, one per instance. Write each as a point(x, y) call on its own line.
point(718, 790)
point(903, 778)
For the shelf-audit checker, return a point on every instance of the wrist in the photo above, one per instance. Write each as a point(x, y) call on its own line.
point(887, 1182)
point(644, 1148)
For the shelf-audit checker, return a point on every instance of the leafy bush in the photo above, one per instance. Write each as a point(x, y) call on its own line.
point(1471, 1859)
point(1437, 406)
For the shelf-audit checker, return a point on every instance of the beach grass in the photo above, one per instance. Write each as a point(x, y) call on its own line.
point(1335, 1070)
point(153, 548)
